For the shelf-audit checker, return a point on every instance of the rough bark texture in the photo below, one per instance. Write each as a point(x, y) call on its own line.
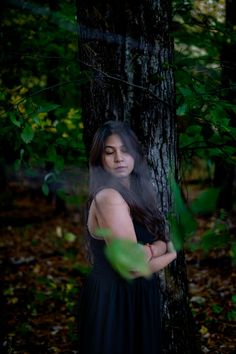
point(225, 173)
point(126, 49)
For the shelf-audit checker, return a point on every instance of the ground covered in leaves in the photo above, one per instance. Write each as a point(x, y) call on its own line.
point(43, 267)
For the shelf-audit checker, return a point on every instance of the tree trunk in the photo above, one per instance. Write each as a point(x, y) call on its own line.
point(225, 172)
point(126, 50)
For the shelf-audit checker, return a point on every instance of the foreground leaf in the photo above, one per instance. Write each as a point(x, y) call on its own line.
point(126, 256)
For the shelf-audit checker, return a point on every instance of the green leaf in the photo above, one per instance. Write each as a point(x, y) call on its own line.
point(126, 256)
point(70, 237)
point(234, 299)
point(182, 110)
point(47, 107)
point(205, 203)
point(194, 131)
point(2, 96)
point(210, 239)
point(27, 134)
point(102, 232)
point(231, 315)
point(186, 92)
point(233, 255)
point(18, 162)
point(45, 189)
point(217, 308)
point(177, 234)
point(180, 215)
point(14, 120)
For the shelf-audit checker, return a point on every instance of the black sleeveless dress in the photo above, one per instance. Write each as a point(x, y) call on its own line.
point(117, 316)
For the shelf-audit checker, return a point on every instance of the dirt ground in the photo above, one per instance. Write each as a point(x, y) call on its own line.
point(43, 266)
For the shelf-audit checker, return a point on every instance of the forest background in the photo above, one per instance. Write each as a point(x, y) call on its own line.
point(44, 169)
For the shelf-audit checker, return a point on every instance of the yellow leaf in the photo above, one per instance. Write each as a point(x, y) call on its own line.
point(203, 330)
point(36, 268)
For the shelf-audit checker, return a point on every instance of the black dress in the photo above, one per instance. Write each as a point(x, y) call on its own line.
point(117, 316)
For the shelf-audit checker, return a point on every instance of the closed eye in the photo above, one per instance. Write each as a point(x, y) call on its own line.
point(109, 151)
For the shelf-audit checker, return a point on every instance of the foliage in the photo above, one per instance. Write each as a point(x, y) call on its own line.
point(183, 222)
point(42, 290)
point(40, 116)
point(124, 255)
point(205, 110)
point(127, 257)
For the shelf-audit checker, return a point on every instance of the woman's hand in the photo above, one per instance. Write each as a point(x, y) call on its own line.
point(171, 248)
point(148, 252)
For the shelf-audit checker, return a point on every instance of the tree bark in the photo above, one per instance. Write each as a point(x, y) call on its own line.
point(126, 52)
point(225, 172)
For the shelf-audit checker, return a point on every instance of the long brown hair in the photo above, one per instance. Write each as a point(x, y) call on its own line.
point(140, 197)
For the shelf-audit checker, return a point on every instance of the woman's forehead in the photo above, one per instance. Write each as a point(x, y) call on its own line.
point(114, 140)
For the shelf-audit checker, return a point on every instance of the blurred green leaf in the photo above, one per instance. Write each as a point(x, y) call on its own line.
point(233, 254)
point(103, 232)
point(70, 237)
point(45, 189)
point(231, 315)
point(205, 202)
point(181, 220)
point(177, 234)
point(210, 240)
point(217, 308)
point(234, 299)
point(126, 256)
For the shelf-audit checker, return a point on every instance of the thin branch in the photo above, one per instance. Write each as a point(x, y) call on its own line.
point(35, 93)
point(206, 146)
point(128, 83)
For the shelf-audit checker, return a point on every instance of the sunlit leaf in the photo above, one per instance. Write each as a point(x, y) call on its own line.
point(70, 237)
point(103, 232)
point(203, 330)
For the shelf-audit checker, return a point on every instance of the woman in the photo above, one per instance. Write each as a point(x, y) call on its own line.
point(117, 316)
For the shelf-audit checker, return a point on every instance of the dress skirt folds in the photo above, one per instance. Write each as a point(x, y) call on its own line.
point(117, 316)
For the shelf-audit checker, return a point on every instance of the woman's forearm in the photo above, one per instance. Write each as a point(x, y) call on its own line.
point(155, 249)
point(158, 248)
point(161, 262)
point(157, 263)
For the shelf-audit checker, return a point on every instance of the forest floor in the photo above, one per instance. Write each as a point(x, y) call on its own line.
point(43, 267)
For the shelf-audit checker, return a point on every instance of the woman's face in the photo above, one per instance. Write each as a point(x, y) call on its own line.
point(116, 159)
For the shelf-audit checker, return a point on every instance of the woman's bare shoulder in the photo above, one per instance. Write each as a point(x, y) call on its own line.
point(109, 195)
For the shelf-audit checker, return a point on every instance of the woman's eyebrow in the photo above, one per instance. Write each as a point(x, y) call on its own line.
point(114, 146)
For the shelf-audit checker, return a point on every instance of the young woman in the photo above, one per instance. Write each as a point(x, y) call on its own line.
point(117, 316)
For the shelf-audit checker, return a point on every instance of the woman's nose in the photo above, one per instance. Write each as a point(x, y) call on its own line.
point(118, 156)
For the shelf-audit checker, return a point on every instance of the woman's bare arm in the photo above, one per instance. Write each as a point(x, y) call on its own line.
point(112, 213)
point(158, 263)
point(158, 248)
